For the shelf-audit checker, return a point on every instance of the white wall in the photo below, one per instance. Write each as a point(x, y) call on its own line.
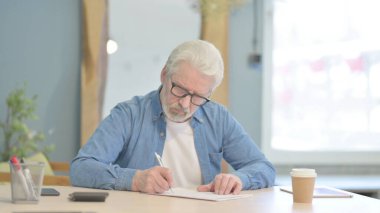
point(245, 80)
point(146, 31)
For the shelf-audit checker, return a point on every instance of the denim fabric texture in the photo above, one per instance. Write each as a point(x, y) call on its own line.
point(127, 139)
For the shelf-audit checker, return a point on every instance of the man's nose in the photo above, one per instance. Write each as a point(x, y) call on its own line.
point(185, 101)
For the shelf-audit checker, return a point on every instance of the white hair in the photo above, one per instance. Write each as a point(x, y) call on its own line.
point(202, 55)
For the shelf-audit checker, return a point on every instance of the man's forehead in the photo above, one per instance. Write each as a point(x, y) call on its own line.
point(194, 88)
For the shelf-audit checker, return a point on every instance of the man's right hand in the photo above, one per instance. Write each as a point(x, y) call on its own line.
point(154, 180)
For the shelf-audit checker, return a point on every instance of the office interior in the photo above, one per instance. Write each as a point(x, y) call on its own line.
point(41, 46)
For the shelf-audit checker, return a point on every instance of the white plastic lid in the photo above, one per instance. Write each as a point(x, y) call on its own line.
point(303, 172)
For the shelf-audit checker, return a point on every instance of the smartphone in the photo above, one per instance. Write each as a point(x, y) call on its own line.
point(49, 192)
point(88, 196)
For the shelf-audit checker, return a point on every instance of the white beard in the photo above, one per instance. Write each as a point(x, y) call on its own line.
point(177, 117)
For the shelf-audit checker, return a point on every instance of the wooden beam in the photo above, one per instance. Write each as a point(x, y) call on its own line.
point(214, 28)
point(94, 65)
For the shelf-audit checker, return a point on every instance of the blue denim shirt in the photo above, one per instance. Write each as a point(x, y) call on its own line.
point(127, 139)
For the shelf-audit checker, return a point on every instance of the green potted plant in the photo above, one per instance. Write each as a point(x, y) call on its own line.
point(18, 139)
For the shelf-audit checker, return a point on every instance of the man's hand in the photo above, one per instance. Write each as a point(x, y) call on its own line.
point(223, 184)
point(154, 180)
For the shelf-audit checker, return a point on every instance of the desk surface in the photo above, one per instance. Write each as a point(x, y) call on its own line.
point(264, 200)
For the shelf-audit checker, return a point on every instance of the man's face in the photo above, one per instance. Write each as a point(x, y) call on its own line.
point(186, 80)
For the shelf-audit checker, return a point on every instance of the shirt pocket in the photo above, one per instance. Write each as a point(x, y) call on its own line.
point(216, 162)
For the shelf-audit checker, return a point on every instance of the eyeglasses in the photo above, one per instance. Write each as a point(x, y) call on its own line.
point(180, 92)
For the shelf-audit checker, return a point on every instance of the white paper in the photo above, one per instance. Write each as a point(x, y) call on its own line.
point(193, 194)
point(322, 191)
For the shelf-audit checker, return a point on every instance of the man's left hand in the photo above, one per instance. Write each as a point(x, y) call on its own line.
point(223, 184)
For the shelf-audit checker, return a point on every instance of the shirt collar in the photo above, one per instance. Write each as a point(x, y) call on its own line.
point(156, 105)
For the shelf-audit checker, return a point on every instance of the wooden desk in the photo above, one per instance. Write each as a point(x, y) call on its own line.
point(263, 201)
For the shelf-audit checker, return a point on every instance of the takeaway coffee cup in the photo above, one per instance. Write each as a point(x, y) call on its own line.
point(303, 181)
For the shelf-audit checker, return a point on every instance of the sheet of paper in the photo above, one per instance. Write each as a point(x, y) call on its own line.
point(193, 194)
point(322, 192)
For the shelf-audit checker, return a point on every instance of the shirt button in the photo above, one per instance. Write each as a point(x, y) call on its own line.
point(162, 134)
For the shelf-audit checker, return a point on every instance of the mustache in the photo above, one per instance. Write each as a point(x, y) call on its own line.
point(179, 108)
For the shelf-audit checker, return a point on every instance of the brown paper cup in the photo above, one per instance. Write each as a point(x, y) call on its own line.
point(303, 181)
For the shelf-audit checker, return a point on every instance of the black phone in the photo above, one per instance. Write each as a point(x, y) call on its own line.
point(88, 196)
point(49, 192)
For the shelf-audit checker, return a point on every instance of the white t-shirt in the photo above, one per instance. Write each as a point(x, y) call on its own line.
point(180, 156)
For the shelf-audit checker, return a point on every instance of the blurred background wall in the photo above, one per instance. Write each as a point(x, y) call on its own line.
point(40, 44)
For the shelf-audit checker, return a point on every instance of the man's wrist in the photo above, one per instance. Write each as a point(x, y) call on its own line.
point(135, 187)
point(245, 184)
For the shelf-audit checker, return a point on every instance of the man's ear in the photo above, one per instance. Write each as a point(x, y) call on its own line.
point(163, 74)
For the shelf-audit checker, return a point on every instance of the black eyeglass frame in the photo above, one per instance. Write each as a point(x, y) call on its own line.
point(188, 93)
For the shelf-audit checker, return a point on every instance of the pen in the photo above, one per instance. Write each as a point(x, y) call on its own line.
point(159, 160)
point(29, 182)
point(17, 167)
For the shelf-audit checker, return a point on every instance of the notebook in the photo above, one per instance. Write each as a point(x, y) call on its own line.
point(193, 194)
point(322, 192)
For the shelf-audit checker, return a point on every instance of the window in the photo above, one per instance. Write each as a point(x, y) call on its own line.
point(322, 82)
